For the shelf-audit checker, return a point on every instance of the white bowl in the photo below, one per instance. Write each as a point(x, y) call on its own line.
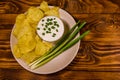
point(50, 28)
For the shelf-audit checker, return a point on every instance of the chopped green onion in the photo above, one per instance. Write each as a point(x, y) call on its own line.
point(53, 27)
point(70, 44)
point(43, 20)
point(43, 33)
point(44, 28)
point(56, 30)
point(58, 43)
point(69, 41)
point(49, 29)
point(42, 24)
point(50, 23)
point(53, 35)
point(38, 28)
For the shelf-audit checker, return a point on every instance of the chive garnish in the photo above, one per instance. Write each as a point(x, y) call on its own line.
point(43, 20)
point(48, 19)
point(50, 23)
point(55, 22)
point(56, 30)
point(38, 28)
point(42, 24)
point(65, 42)
point(53, 35)
point(43, 33)
point(44, 28)
point(57, 25)
point(49, 29)
point(53, 27)
point(48, 32)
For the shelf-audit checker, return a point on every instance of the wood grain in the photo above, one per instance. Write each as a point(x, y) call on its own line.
point(99, 52)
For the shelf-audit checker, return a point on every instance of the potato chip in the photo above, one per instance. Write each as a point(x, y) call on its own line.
point(27, 29)
point(53, 12)
point(34, 15)
point(26, 43)
point(44, 6)
point(37, 38)
point(29, 57)
point(42, 47)
point(18, 26)
point(16, 51)
point(29, 45)
point(48, 44)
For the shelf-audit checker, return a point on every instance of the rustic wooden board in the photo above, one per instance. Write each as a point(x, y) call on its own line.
point(98, 57)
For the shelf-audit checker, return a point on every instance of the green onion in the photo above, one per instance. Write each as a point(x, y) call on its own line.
point(70, 44)
point(60, 48)
point(53, 27)
point(43, 33)
point(38, 28)
point(58, 43)
point(56, 30)
point(53, 35)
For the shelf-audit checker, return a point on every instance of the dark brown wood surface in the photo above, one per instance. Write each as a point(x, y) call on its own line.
point(99, 53)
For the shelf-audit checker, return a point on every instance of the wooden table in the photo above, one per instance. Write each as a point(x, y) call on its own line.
point(99, 53)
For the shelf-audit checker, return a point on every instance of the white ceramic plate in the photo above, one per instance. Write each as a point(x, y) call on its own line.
point(59, 62)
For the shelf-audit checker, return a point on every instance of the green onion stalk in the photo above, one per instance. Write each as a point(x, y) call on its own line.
point(61, 46)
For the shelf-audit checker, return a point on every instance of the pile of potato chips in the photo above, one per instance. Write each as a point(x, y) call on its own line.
point(29, 45)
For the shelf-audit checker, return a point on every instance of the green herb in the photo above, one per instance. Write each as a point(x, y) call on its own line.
point(47, 23)
point(49, 58)
point(38, 28)
point(44, 28)
point(57, 44)
point(49, 29)
point(57, 25)
point(53, 35)
point(42, 24)
point(62, 45)
point(43, 20)
point(51, 19)
point(50, 23)
point(55, 22)
point(48, 20)
point(43, 33)
point(56, 30)
point(53, 27)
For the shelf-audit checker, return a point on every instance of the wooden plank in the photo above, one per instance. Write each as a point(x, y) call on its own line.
point(81, 6)
point(7, 74)
point(96, 6)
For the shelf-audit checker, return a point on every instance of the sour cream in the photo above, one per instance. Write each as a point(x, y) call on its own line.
point(50, 28)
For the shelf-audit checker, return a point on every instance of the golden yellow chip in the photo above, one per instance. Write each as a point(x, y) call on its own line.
point(29, 57)
point(42, 48)
point(18, 24)
point(26, 43)
point(16, 51)
point(53, 12)
point(44, 6)
point(37, 38)
point(48, 44)
point(29, 45)
point(34, 15)
point(26, 30)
